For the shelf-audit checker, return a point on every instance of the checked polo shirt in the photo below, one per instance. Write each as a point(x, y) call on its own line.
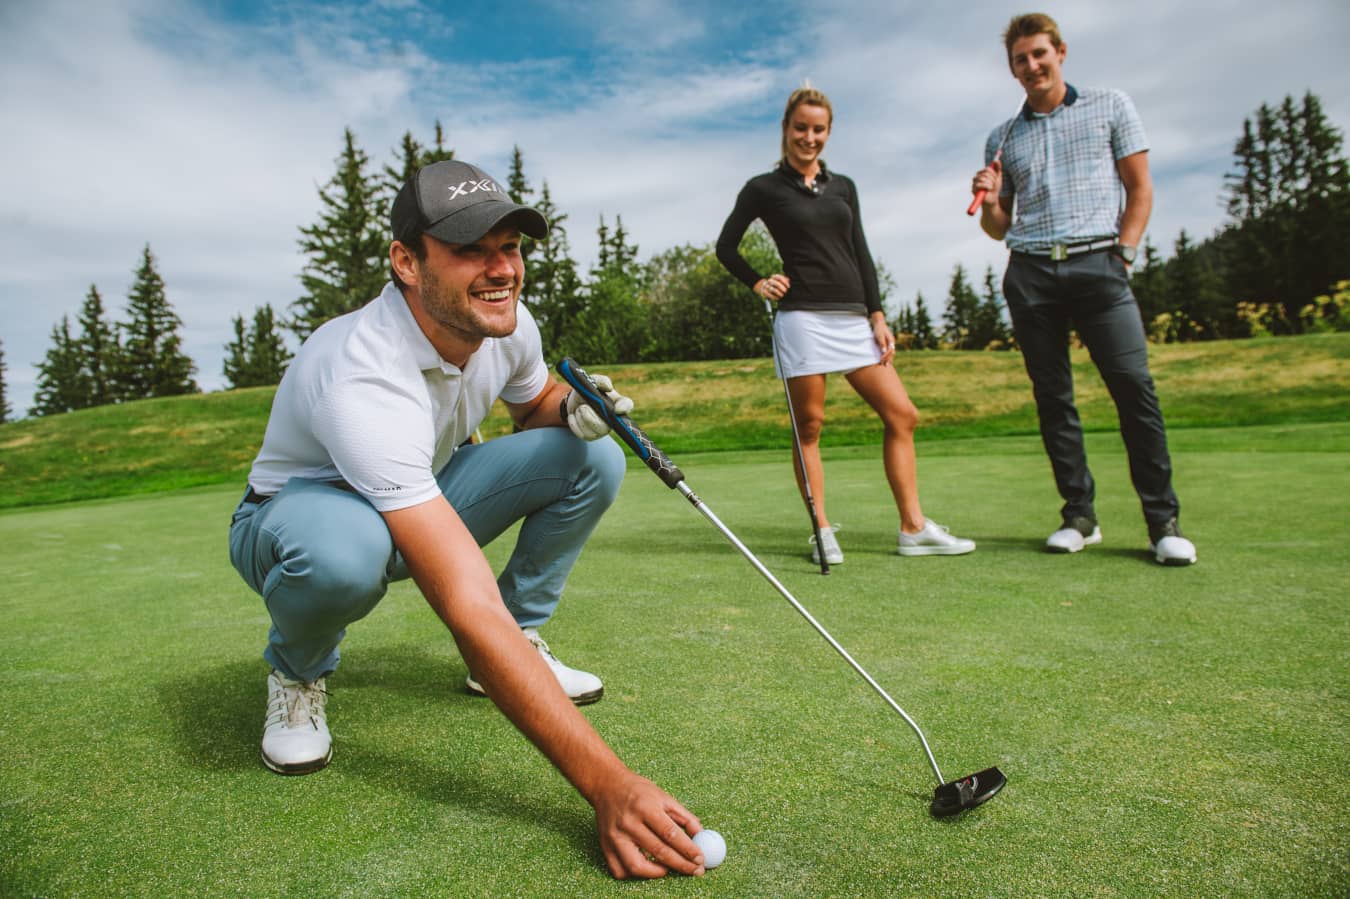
point(1060, 168)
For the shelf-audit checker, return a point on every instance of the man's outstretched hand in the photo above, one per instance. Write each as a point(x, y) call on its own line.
point(644, 832)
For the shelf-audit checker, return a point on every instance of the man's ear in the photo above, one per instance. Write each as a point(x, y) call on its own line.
point(404, 263)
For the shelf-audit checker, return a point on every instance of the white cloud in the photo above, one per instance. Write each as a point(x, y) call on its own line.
point(147, 120)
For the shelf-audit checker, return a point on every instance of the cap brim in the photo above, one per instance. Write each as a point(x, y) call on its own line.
point(470, 224)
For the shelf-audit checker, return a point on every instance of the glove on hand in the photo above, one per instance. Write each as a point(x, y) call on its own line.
point(584, 421)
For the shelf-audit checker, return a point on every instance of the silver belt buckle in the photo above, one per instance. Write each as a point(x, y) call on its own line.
point(1059, 252)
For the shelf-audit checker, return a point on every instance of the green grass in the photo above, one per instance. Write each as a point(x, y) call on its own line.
point(1165, 732)
point(169, 444)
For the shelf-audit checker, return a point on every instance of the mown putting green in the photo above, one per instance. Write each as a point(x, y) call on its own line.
point(1165, 731)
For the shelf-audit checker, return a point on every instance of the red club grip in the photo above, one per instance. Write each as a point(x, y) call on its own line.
point(975, 203)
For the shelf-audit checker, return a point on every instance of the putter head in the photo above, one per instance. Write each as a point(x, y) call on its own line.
point(958, 795)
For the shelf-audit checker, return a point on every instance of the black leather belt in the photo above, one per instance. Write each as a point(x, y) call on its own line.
point(257, 498)
point(1060, 251)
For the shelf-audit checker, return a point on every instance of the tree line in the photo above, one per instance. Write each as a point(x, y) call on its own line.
point(1280, 264)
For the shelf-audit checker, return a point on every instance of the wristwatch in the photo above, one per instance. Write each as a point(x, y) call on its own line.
point(1126, 252)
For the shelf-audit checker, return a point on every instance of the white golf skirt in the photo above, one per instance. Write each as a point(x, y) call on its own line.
point(817, 343)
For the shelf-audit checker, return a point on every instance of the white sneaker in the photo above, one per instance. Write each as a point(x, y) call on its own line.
point(581, 687)
point(1074, 535)
point(1169, 547)
point(933, 540)
point(833, 554)
point(295, 734)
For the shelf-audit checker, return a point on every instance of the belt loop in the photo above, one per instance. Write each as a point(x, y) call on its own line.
point(1058, 252)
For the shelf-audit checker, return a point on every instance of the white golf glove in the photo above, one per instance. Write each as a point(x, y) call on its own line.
point(584, 421)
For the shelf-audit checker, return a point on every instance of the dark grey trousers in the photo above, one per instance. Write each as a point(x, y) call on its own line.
point(1090, 293)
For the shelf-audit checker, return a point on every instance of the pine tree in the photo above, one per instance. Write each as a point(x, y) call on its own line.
point(1289, 208)
point(925, 338)
point(552, 285)
point(268, 356)
point(1148, 282)
point(256, 357)
point(5, 408)
point(152, 361)
point(1195, 295)
point(962, 307)
point(99, 342)
point(235, 366)
point(412, 156)
point(519, 190)
point(611, 326)
point(989, 330)
point(347, 247)
point(61, 383)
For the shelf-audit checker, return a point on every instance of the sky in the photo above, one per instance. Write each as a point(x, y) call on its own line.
point(206, 129)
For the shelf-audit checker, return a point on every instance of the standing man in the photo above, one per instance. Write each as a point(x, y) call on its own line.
point(363, 478)
point(1069, 157)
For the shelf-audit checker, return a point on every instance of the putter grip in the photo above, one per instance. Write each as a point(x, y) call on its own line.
point(622, 425)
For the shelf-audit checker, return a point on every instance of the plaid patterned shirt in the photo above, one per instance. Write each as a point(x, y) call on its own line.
point(1061, 168)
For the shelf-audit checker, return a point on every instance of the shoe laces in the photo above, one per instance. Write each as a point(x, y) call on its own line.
point(826, 535)
point(299, 703)
point(539, 644)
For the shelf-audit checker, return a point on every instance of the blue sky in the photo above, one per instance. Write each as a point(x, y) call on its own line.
point(206, 128)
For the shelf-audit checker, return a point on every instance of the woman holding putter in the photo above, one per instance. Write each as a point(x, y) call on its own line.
point(829, 317)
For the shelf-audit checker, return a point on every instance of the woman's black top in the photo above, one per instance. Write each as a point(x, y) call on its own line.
point(819, 236)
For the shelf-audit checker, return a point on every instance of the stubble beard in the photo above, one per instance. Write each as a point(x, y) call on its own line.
point(452, 308)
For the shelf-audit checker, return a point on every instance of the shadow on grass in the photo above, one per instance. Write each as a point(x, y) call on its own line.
point(223, 735)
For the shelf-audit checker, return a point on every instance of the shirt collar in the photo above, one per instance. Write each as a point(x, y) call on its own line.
point(1070, 98)
point(786, 169)
point(424, 354)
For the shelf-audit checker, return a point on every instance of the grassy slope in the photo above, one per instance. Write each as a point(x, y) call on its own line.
point(171, 443)
point(1166, 732)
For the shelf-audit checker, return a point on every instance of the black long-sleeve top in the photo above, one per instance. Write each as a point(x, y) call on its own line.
point(819, 237)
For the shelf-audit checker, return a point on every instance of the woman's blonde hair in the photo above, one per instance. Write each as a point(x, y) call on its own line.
point(810, 96)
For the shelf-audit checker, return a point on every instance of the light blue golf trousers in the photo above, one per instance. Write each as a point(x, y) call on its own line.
point(321, 557)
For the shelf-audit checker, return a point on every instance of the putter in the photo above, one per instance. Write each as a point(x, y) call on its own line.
point(797, 445)
point(950, 797)
point(998, 154)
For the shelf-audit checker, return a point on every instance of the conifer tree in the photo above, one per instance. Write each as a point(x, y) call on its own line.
point(989, 330)
point(235, 366)
point(5, 408)
point(347, 248)
point(152, 362)
point(99, 342)
point(519, 190)
point(552, 285)
point(62, 385)
point(257, 357)
point(958, 322)
point(925, 338)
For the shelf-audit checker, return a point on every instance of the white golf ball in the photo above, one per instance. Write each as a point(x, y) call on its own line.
point(713, 846)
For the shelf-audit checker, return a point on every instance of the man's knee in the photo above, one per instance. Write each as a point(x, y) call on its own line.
point(335, 581)
point(604, 457)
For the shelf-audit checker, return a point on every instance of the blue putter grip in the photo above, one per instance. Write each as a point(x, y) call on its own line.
point(622, 425)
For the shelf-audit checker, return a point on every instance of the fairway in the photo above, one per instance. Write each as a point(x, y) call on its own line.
point(1177, 732)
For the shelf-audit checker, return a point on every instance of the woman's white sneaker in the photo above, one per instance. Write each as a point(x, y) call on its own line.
point(830, 543)
point(933, 540)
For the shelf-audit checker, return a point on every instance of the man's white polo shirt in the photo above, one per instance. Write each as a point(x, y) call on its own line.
point(369, 401)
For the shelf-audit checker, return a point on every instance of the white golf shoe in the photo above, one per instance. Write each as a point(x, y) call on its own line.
point(1168, 545)
point(933, 540)
point(581, 687)
point(830, 543)
point(295, 734)
point(1076, 533)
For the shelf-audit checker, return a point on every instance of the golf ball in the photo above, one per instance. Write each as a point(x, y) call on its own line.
point(713, 846)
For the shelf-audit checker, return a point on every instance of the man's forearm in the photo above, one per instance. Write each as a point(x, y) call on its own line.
point(458, 583)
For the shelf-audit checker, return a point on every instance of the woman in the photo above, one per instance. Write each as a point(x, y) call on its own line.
point(829, 315)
